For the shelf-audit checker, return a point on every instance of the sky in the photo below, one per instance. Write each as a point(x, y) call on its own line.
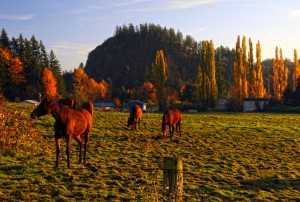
point(73, 28)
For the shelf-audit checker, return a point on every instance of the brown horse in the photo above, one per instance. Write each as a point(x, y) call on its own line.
point(135, 116)
point(68, 123)
point(171, 117)
point(70, 102)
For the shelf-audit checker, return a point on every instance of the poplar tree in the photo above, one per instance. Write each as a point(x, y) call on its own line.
point(280, 75)
point(212, 74)
point(207, 84)
point(276, 83)
point(252, 72)
point(296, 70)
point(240, 83)
point(283, 74)
point(259, 82)
point(244, 69)
point(160, 79)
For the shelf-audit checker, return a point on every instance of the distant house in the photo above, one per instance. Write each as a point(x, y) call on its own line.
point(143, 105)
point(221, 103)
point(105, 106)
point(255, 104)
point(33, 102)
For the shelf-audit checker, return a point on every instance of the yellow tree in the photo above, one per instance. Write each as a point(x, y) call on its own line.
point(283, 78)
point(259, 82)
point(160, 79)
point(244, 69)
point(49, 82)
point(240, 83)
point(296, 70)
point(207, 84)
point(252, 72)
point(280, 75)
point(80, 82)
point(276, 83)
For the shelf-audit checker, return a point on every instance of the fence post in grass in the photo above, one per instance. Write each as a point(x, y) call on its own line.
point(173, 178)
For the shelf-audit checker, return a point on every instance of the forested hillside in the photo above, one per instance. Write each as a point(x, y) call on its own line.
point(127, 58)
point(124, 57)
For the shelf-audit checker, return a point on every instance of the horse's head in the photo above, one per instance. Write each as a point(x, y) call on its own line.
point(42, 109)
point(129, 122)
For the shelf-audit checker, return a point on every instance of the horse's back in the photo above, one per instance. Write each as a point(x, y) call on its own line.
point(136, 111)
point(173, 116)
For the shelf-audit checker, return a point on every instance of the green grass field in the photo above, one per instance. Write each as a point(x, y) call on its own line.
point(226, 157)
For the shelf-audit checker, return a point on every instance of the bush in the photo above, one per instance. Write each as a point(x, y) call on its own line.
point(17, 133)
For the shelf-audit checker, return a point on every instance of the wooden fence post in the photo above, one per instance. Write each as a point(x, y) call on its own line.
point(173, 178)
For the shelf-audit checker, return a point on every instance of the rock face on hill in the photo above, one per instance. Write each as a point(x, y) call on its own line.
point(124, 58)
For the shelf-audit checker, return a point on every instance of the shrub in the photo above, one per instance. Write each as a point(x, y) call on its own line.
point(17, 133)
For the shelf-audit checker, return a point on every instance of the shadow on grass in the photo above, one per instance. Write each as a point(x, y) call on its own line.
point(270, 183)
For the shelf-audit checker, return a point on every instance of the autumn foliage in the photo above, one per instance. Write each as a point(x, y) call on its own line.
point(85, 88)
point(49, 82)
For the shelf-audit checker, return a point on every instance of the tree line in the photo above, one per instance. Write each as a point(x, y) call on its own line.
point(153, 64)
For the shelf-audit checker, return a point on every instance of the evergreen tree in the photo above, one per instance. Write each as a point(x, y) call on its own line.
point(57, 72)
point(160, 79)
point(4, 39)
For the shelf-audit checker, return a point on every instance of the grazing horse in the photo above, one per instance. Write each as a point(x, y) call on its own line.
point(135, 116)
point(68, 123)
point(70, 102)
point(171, 117)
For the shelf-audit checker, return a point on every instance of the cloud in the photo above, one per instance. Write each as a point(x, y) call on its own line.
point(16, 17)
point(186, 4)
point(168, 5)
point(295, 14)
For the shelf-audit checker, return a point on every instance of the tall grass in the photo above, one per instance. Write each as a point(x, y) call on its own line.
point(226, 157)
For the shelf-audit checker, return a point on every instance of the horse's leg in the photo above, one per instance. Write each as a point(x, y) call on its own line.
point(68, 150)
point(179, 126)
point(171, 131)
point(57, 141)
point(87, 138)
point(80, 142)
point(135, 122)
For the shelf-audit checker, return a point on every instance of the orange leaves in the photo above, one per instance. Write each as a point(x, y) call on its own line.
point(87, 87)
point(14, 66)
point(49, 82)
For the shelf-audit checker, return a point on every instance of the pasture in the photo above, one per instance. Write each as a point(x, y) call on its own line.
point(226, 157)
